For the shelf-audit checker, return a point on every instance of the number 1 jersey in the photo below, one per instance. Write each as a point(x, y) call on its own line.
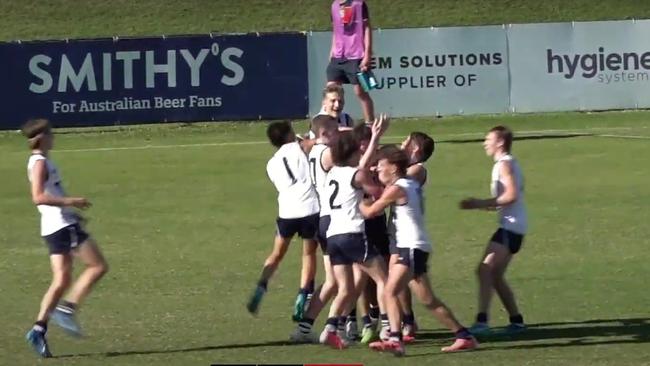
point(288, 169)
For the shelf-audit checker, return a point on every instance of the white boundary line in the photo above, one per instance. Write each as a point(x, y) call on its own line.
point(147, 147)
point(584, 131)
point(634, 137)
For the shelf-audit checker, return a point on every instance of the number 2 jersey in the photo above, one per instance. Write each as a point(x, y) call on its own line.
point(343, 200)
point(288, 170)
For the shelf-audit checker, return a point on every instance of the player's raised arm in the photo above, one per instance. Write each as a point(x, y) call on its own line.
point(379, 126)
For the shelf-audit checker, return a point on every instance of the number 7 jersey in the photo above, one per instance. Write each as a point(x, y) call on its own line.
point(319, 176)
point(288, 169)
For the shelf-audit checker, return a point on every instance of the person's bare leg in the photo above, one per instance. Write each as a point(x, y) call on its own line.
point(271, 264)
point(496, 256)
point(398, 279)
point(421, 287)
point(308, 272)
point(61, 265)
point(324, 293)
point(367, 104)
point(96, 267)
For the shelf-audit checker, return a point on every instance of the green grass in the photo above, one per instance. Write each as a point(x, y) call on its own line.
point(186, 229)
point(46, 19)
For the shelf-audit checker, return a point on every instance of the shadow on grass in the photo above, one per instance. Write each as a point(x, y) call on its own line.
point(179, 350)
point(520, 138)
point(561, 334)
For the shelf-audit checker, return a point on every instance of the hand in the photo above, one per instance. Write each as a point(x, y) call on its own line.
point(469, 204)
point(364, 65)
point(386, 123)
point(380, 125)
point(79, 202)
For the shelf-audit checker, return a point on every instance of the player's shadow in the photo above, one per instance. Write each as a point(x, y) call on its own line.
point(526, 137)
point(563, 334)
point(559, 334)
point(179, 350)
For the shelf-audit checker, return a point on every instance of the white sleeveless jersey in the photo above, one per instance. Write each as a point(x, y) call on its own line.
point(319, 176)
point(343, 200)
point(512, 217)
point(345, 120)
point(391, 227)
point(288, 169)
point(407, 221)
point(53, 218)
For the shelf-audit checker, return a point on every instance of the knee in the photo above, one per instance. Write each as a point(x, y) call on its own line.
point(380, 283)
point(101, 269)
point(498, 279)
point(346, 292)
point(309, 250)
point(329, 286)
point(275, 258)
point(483, 270)
point(361, 94)
point(61, 280)
point(391, 291)
point(430, 300)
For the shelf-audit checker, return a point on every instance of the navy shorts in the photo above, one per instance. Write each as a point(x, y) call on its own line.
point(343, 71)
point(392, 246)
point(416, 259)
point(349, 249)
point(377, 234)
point(66, 239)
point(306, 227)
point(323, 225)
point(508, 238)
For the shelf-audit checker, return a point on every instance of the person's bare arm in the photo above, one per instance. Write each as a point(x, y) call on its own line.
point(371, 209)
point(379, 126)
point(417, 173)
point(367, 39)
point(326, 160)
point(508, 196)
point(40, 197)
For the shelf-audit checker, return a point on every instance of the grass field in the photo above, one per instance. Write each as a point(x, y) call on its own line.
point(47, 19)
point(185, 213)
point(185, 216)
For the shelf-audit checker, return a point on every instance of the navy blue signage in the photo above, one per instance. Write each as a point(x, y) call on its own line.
point(140, 80)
